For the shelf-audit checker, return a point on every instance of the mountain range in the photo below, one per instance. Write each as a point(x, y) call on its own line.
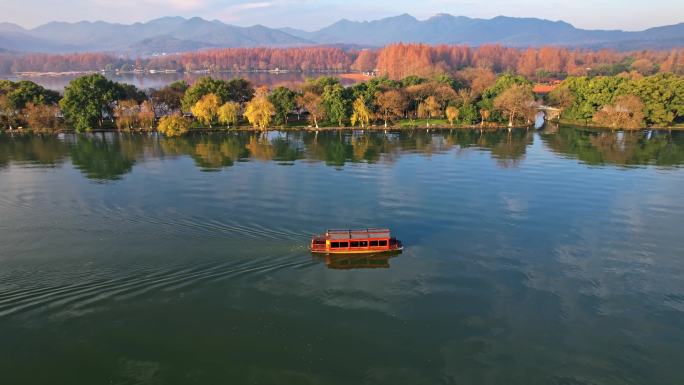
point(177, 34)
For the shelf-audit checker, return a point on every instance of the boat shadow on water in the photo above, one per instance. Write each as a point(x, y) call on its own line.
point(356, 261)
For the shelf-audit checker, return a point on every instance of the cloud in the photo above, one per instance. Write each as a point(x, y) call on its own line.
point(186, 5)
point(248, 6)
point(178, 5)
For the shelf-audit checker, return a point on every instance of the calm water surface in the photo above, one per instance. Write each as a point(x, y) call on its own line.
point(551, 257)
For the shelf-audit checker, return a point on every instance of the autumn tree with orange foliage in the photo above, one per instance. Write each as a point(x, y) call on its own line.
point(429, 109)
point(452, 114)
point(396, 60)
point(126, 114)
point(391, 105)
point(42, 117)
point(313, 104)
point(515, 102)
point(627, 111)
point(365, 61)
point(146, 116)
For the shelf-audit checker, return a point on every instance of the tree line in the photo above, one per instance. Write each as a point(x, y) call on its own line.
point(472, 97)
point(625, 101)
point(94, 102)
point(396, 61)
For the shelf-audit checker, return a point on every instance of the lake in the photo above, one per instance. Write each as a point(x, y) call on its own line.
point(532, 257)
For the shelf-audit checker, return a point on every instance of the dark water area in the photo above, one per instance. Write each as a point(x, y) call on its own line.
point(159, 80)
point(532, 257)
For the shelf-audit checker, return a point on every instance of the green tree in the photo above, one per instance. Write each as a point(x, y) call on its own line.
point(468, 114)
point(129, 92)
point(412, 81)
point(590, 94)
point(368, 90)
point(169, 98)
point(21, 93)
point(240, 90)
point(87, 100)
point(335, 103)
point(662, 95)
point(317, 85)
point(283, 100)
point(236, 90)
point(448, 80)
point(501, 84)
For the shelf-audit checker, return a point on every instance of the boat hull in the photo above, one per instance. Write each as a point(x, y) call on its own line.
point(357, 252)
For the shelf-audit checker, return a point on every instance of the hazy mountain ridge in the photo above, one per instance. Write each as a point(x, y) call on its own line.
point(170, 32)
point(175, 34)
point(448, 29)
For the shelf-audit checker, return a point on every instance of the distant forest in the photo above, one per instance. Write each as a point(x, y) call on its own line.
point(395, 61)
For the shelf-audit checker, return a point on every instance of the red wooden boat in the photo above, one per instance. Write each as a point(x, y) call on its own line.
point(367, 241)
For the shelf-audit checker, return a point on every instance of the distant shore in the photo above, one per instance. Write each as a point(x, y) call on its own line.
point(356, 76)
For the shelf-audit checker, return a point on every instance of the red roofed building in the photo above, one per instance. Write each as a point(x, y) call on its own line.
point(543, 89)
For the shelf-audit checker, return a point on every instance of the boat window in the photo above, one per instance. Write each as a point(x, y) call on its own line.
point(383, 243)
point(334, 245)
point(354, 244)
point(363, 243)
point(374, 243)
point(344, 245)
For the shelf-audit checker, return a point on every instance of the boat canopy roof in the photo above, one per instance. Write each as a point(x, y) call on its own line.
point(358, 234)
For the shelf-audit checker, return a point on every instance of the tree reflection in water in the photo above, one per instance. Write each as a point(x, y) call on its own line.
point(109, 156)
point(629, 148)
point(105, 157)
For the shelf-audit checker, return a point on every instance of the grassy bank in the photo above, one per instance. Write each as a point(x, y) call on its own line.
point(589, 124)
point(406, 124)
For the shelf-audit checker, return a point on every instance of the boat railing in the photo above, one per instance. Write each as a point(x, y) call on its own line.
point(358, 234)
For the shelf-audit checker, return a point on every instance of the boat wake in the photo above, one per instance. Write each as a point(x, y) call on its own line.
point(79, 297)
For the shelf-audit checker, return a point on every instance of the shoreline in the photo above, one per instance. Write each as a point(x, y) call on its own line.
point(350, 75)
point(336, 128)
point(577, 124)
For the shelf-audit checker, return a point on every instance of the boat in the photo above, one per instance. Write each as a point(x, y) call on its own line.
point(365, 241)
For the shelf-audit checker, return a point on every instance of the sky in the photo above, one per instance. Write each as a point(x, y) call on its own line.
point(313, 14)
